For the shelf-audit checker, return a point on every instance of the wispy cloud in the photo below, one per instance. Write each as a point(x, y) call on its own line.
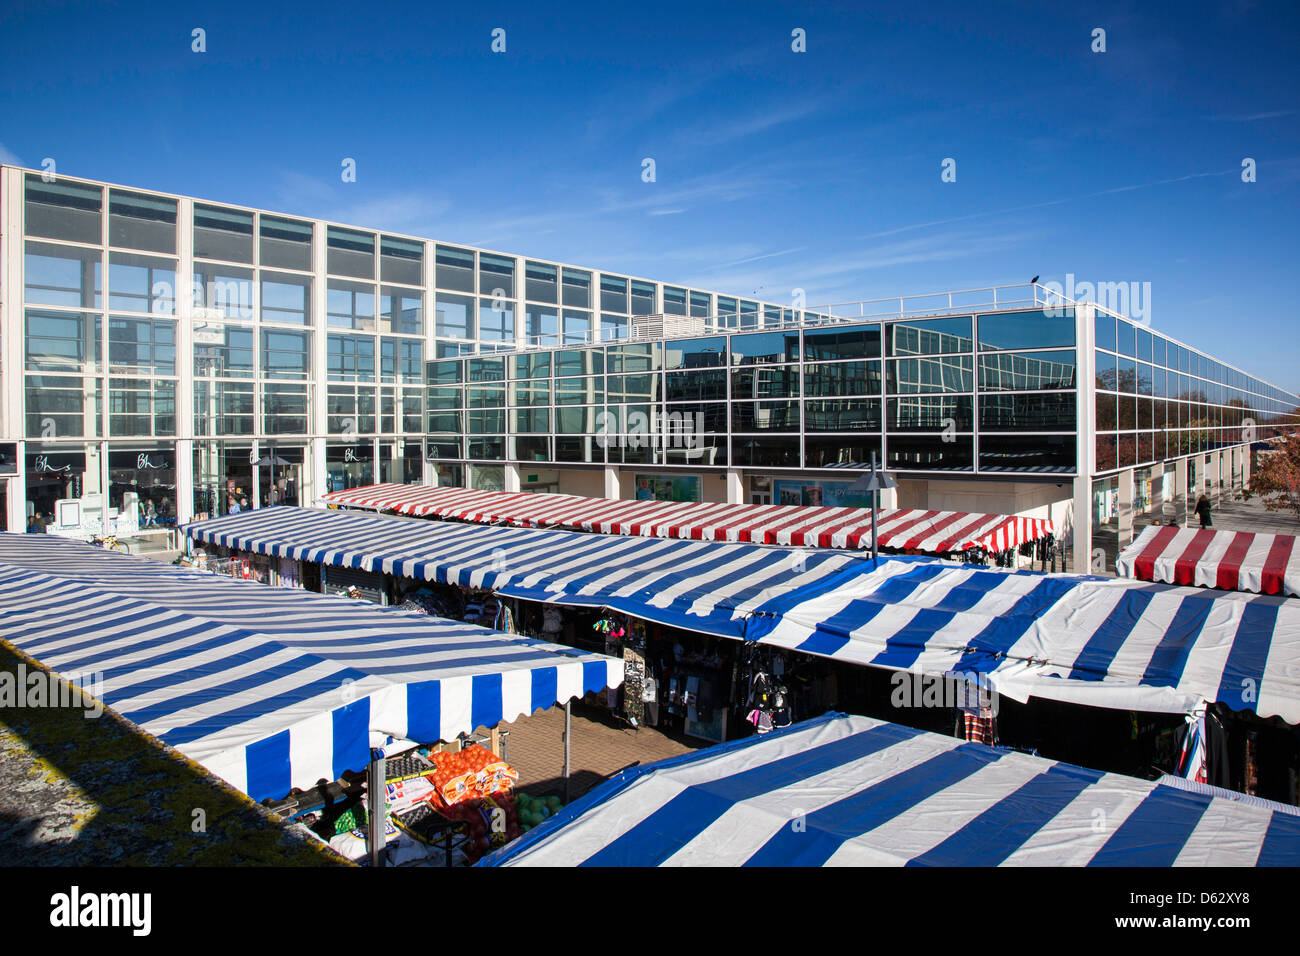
point(1252, 117)
point(1046, 203)
point(8, 157)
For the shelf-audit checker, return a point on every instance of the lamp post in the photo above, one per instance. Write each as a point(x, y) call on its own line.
point(874, 481)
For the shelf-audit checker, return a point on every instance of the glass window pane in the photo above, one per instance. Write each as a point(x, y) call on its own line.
point(577, 288)
point(63, 210)
point(840, 451)
point(842, 415)
point(765, 383)
point(953, 374)
point(1127, 339)
point(286, 243)
point(1105, 331)
point(455, 268)
point(350, 252)
point(860, 342)
point(401, 260)
point(1049, 328)
point(931, 413)
point(141, 345)
point(223, 233)
point(1016, 371)
point(496, 276)
point(643, 297)
point(286, 298)
point(1029, 453)
point(140, 221)
point(62, 275)
point(930, 453)
point(842, 378)
point(674, 300)
point(929, 336)
point(222, 292)
point(401, 310)
point(286, 354)
point(350, 305)
point(577, 328)
point(780, 416)
point(696, 386)
point(61, 406)
point(63, 341)
point(542, 325)
point(541, 282)
point(141, 283)
point(765, 347)
point(1051, 412)
point(695, 353)
point(580, 362)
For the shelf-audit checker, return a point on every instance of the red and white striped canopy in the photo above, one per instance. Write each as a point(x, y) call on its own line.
point(1231, 560)
point(931, 532)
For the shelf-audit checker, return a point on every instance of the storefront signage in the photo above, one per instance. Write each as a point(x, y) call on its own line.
point(818, 494)
point(668, 487)
point(43, 465)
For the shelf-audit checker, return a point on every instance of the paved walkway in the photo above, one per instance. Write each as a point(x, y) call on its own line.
point(601, 747)
point(1227, 515)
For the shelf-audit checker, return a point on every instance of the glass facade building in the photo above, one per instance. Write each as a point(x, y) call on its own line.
point(165, 357)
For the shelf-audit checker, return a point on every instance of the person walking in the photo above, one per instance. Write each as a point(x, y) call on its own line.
point(1203, 511)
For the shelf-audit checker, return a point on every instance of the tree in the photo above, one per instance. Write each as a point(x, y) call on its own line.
point(1276, 478)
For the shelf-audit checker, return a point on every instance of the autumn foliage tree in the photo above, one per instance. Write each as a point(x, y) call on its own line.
point(1276, 476)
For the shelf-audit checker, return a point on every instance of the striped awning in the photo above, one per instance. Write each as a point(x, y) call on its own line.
point(702, 586)
point(269, 688)
point(853, 791)
point(930, 532)
point(1230, 560)
point(1105, 642)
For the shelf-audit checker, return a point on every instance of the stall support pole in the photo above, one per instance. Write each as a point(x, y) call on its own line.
point(376, 809)
point(567, 728)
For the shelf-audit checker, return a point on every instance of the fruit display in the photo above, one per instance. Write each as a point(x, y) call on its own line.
point(533, 810)
point(468, 774)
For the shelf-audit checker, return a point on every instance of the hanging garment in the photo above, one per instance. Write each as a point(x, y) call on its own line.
point(979, 725)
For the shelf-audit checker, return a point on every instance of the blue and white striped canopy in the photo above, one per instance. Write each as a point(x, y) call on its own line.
point(698, 585)
point(269, 688)
point(1103, 642)
point(852, 791)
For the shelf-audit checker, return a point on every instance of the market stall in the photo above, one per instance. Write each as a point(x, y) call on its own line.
point(906, 530)
point(852, 791)
point(1096, 641)
point(272, 689)
point(1228, 560)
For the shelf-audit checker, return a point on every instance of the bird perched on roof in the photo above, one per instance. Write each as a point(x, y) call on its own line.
point(1033, 280)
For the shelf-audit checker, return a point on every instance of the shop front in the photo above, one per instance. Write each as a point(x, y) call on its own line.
point(56, 481)
point(280, 470)
point(142, 489)
point(349, 464)
point(223, 478)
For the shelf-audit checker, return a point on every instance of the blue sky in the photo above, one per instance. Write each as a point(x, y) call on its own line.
point(775, 170)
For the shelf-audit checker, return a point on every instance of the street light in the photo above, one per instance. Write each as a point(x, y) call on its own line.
point(874, 481)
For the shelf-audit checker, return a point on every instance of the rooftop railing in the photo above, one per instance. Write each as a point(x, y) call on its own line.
point(645, 328)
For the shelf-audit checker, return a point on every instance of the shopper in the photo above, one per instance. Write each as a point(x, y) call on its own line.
point(1203, 511)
